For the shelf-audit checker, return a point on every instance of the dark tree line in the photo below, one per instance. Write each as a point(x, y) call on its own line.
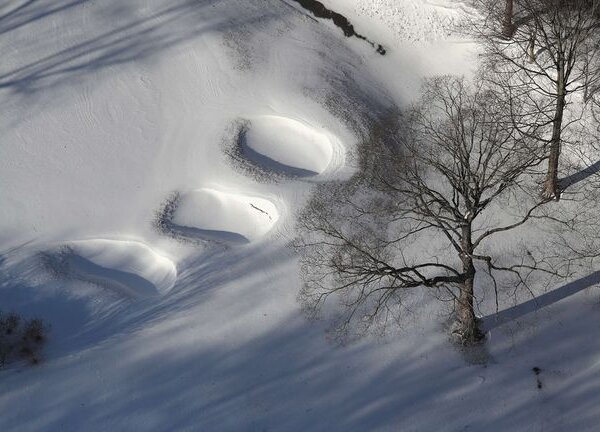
point(545, 53)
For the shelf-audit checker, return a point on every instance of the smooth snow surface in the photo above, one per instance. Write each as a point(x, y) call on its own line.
point(128, 267)
point(289, 145)
point(218, 215)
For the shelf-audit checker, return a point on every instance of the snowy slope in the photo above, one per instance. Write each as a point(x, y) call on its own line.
point(236, 108)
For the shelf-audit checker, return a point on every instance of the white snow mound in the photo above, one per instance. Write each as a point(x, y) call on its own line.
point(288, 145)
point(129, 267)
point(224, 216)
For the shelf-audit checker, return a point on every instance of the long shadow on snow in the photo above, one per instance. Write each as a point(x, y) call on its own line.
point(31, 11)
point(287, 379)
point(564, 183)
point(174, 377)
point(77, 323)
point(539, 302)
point(135, 39)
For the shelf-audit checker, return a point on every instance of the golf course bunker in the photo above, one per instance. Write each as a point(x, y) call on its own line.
point(288, 146)
point(224, 217)
point(128, 267)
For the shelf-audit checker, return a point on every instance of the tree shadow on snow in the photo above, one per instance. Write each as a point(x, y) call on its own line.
point(124, 33)
point(492, 321)
point(206, 374)
point(579, 176)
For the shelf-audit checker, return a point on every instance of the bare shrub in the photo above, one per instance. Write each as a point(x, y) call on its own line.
point(21, 339)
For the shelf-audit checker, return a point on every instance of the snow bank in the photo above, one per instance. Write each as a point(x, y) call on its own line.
point(222, 216)
point(128, 267)
point(290, 146)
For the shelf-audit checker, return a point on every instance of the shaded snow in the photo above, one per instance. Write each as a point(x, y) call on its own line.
point(129, 267)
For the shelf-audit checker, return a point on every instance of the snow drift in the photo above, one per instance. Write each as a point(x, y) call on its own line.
point(223, 216)
point(127, 267)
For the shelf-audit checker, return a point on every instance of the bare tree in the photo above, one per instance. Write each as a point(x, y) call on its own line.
point(552, 53)
point(499, 18)
point(421, 213)
point(507, 19)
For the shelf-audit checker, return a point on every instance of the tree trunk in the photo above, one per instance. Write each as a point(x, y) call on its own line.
point(507, 21)
point(464, 330)
point(587, 91)
point(531, 46)
point(551, 189)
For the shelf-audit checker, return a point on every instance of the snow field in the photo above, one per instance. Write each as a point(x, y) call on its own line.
point(213, 214)
point(110, 107)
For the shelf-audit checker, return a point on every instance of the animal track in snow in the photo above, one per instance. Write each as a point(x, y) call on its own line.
point(130, 268)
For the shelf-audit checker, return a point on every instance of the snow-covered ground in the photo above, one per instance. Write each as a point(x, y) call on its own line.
point(180, 313)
